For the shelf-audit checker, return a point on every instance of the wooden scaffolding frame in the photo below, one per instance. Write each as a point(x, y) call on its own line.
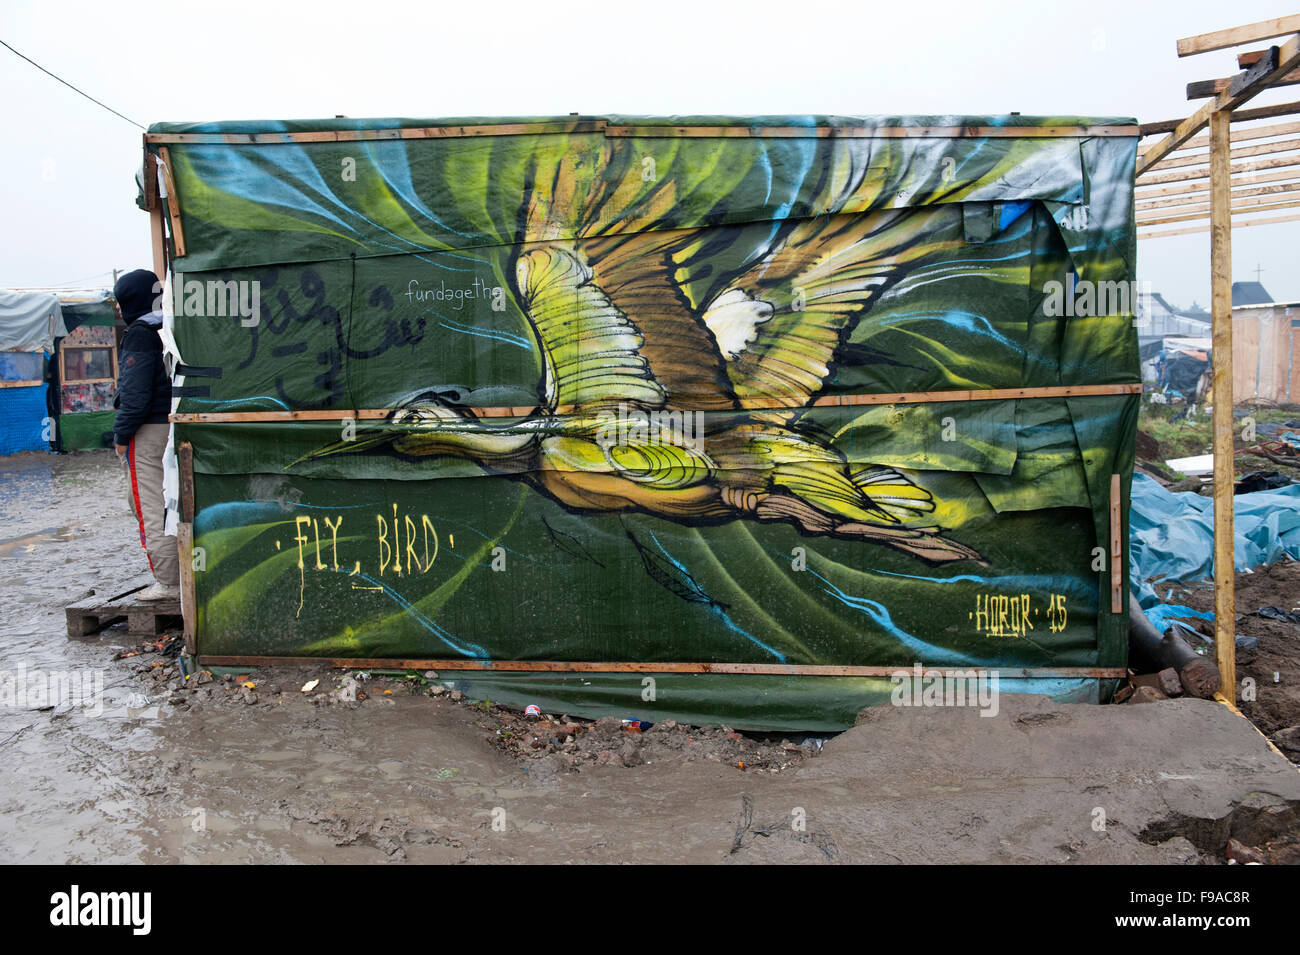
point(1190, 178)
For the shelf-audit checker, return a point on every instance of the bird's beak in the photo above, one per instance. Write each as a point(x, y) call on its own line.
point(362, 442)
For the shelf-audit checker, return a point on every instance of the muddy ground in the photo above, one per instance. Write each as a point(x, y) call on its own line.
point(249, 768)
point(1270, 653)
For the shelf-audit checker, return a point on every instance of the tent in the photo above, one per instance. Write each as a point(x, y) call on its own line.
point(710, 418)
point(29, 323)
point(86, 370)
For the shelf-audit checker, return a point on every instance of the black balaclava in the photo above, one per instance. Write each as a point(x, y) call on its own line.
point(136, 293)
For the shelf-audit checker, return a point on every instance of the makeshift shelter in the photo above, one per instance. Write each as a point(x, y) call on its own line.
point(85, 370)
point(1266, 353)
point(710, 418)
point(29, 323)
point(1184, 368)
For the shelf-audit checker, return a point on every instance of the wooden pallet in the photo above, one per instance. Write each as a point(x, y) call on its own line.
point(109, 605)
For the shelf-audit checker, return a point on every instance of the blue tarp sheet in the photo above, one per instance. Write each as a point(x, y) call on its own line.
point(1171, 538)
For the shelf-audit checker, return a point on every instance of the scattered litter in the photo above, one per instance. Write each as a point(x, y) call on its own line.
point(1193, 466)
point(448, 773)
point(310, 685)
point(533, 711)
point(1262, 481)
point(1276, 613)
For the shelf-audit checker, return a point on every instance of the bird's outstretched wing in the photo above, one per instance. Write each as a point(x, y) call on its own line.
point(636, 272)
point(779, 323)
point(589, 347)
point(613, 337)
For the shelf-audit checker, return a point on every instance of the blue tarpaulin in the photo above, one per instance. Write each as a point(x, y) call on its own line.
point(1171, 538)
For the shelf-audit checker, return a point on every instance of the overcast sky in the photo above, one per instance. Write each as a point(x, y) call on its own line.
point(67, 167)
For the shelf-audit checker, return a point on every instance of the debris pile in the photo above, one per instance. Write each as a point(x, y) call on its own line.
point(548, 744)
point(561, 744)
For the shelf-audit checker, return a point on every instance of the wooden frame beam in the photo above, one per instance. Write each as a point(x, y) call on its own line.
point(826, 401)
point(1236, 194)
point(1238, 116)
point(464, 664)
point(1241, 134)
point(1204, 89)
point(1155, 178)
point(1190, 213)
point(153, 203)
point(612, 131)
point(1225, 575)
point(1203, 185)
point(172, 201)
point(185, 546)
point(1241, 152)
point(1191, 230)
point(1234, 36)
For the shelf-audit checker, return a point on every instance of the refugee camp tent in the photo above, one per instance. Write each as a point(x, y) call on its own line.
point(704, 418)
point(29, 323)
point(84, 377)
point(1184, 368)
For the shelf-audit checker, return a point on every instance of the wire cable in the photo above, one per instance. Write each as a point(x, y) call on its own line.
point(69, 85)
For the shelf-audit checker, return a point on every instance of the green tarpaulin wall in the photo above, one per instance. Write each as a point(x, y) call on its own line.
point(597, 389)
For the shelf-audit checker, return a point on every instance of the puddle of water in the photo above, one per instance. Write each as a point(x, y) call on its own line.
point(27, 542)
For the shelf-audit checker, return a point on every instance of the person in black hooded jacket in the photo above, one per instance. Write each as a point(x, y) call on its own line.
point(140, 430)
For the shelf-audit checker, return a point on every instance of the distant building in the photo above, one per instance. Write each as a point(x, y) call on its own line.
point(1266, 352)
point(1158, 320)
point(1249, 293)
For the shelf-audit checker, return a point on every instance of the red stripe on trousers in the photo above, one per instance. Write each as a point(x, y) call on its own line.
point(135, 496)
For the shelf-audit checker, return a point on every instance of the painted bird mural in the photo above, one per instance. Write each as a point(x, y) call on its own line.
point(620, 338)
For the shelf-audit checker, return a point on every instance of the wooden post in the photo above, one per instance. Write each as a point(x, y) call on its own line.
point(1225, 604)
point(159, 240)
point(153, 202)
point(185, 544)
point(1116, 544)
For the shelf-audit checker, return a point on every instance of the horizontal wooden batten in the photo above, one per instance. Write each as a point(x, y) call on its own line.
point(1189, 213)
point(365, 135)
point(750, 669)
point(1203, 89)
point(1191, 230)
point(1239, 135)
point(1201, 159)
point(1238, 116)
point(1197, 197)
point(1241, 169)
point(879, 132)
point(724, 132)
point(1203, 185)
point(829, 401)
point(1233, 36)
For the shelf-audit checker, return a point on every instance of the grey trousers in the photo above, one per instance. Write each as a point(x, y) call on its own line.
point(144, 467)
